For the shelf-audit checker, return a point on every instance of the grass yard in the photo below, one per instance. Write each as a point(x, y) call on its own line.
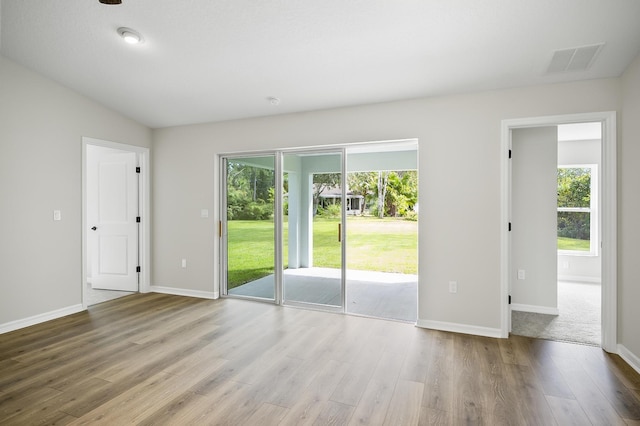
point(385, 245)
point(573, 244)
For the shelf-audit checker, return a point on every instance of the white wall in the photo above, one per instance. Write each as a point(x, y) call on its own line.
point(578, 267)
point(628, 214)
point(459, 185)
point(534, 236)
point(41, 130)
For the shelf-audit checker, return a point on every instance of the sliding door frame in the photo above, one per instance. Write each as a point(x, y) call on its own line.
point(279, 224)
point(223, 233)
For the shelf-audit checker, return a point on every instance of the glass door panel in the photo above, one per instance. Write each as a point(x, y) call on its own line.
point(250, 227)
point(312, 229)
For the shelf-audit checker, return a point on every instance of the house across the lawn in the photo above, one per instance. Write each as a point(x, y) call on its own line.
point(355, 203)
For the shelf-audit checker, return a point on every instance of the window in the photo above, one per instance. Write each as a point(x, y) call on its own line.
point(577, 219)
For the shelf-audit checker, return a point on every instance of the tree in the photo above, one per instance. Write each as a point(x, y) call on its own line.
point(322, 182)
point(382, 192)
point(574, 187)
point(574, 191)
point(363, 183)
point(397, 192)
point(402, 193)
point(249, 191)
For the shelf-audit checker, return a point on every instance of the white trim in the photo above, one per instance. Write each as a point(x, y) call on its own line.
point(40, 318)
point(460, 328)
point(546, 310)
point(185, 292)
point(145, 210)
point(580, 279)
point(629, 357)
point(608, 212)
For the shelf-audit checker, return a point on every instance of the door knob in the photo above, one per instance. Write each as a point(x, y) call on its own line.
point(93, 228)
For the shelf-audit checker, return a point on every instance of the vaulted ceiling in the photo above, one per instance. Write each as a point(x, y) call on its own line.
point(214, 60)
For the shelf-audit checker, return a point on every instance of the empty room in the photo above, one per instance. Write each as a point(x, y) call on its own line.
point(289, 213)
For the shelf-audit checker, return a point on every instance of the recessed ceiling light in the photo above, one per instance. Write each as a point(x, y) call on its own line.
point(273, 100)
point(130, 36)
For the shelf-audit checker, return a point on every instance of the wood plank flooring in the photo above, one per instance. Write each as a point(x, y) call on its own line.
point(155, 359)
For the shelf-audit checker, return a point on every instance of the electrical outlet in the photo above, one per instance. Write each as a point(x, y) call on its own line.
point(521, 274)
point(57, 215)
point(453, 286)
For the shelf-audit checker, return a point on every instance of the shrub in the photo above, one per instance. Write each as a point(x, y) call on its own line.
point(332, 210)
point(411, 215)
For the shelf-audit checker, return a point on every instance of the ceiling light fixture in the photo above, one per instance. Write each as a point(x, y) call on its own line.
point(130, 36)
point(273, 100)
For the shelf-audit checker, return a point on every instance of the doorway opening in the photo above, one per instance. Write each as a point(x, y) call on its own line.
point(115, 221)
point(574, 277)
point(603, 213)
point(322, 245)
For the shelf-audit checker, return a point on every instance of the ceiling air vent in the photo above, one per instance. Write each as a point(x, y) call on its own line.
point(575, 59)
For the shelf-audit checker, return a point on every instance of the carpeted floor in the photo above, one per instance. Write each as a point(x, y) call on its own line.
point(578, 322)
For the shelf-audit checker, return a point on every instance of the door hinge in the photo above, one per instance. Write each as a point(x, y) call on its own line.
point(509, 226)
point(137, 169)
point(138, 269)
point(138, 219)
point(509, 153)
point(509, 299)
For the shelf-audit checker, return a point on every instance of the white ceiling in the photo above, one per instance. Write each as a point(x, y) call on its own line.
point(213, 60)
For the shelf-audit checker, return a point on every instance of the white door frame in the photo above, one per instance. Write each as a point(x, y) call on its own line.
point(278, 224)
point(608, 217)
point(144, 196)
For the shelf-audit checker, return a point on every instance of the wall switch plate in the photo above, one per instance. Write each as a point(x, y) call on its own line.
point(204, 213)
point(453, 286)
point(57, 215)
point(184, 263)
point(521, 274)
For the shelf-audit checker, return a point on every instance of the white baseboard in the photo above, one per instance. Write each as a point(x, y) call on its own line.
point(184, 292)
point(578, 278)
point(40, 318)
point(547, 310)
point(460, 328)
point(632, 359)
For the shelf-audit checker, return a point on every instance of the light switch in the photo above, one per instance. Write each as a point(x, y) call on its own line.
point(57, 215)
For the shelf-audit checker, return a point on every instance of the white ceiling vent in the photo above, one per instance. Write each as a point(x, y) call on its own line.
point(574, 59)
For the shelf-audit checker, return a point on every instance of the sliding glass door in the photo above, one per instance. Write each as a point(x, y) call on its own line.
point(248, 227)
point(313, 214)
point(285, 218)
point(284, 245)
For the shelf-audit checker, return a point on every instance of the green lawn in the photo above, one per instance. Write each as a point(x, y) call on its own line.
point(573, 244)
point(387, 245)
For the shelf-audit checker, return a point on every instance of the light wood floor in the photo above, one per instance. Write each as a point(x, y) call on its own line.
point(157, 359)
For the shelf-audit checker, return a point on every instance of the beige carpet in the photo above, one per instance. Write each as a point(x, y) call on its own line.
point(579, 320)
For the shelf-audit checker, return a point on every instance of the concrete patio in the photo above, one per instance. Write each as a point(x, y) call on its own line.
point(377, 294)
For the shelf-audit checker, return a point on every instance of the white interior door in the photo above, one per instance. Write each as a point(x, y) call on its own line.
point(112, 211)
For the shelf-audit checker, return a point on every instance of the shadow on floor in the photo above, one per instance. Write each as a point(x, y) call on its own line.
point(95, 296)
